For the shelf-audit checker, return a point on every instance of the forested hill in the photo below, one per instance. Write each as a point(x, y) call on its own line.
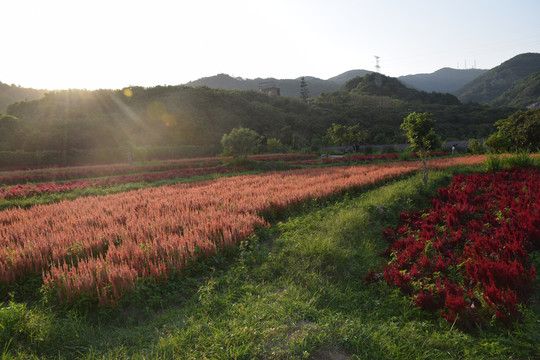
point(379, 85)
point(173, 121)
point(193, 119)
point(525, 93)
point(288, 87)
point(492, 84)
point(13, 93)
point(445, 80)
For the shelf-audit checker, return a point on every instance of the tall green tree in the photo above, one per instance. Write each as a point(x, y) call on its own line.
point(304, 91)
point(519, 132)
point(346, 135)
point(420, 133)
point(240, 142)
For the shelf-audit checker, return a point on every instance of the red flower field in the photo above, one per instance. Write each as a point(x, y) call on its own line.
point(467, 254)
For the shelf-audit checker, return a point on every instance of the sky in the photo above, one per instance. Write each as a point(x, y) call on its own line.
point(111, 44)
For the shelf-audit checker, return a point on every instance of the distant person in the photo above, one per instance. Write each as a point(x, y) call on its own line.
point(453, 149)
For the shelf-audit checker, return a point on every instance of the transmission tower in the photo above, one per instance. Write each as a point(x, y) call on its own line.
point(378, 77)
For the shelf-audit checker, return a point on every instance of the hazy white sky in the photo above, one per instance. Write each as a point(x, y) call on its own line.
point(60, 44)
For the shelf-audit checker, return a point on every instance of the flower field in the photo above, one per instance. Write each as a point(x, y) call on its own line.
point(94, 171)
point(467, 255)
point(101, 246)
point(49, 181)
point(27, 190)
point(85, 172)
point(27, 183)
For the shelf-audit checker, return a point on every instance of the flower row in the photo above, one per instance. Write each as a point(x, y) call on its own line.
point(70, 173)
point(99, 171)
point(28, 190)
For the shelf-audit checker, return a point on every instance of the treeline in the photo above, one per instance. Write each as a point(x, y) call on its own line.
point(13, 93)
point(79, 126)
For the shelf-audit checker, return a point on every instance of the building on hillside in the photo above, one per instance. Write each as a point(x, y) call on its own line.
point(534, 106)
point(269, 89)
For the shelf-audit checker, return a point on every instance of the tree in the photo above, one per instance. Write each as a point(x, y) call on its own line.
point(304, 91)
point(421, 137)
point(346, 135)
point(274, 145)
point(475, 147)
point(519, 132)
point(240, 142)
point(12, 133)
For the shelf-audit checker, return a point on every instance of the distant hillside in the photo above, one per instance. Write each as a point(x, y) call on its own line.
point(379, 85)
point(521, 95)
point(348, 75)
point(10, 94)
point(492, 84)
point(288, 87)
point(445, 80)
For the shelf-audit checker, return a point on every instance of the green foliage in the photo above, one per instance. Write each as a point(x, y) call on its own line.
point(274, 146)
point(475, 147)
point(420, 133)
point(240, 142)
point(392, 87)
point(346, 135)
point(174, 121)
point(11, 132)
point(498, 162)
point(520, 160)
point(519, 132)
point(405, 155)
point(498, 143)
point(304, 91)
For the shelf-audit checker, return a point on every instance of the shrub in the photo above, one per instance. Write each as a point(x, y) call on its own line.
point(475, 147)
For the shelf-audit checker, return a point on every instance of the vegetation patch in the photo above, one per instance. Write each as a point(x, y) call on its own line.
point(292, 291)
point(467, 255)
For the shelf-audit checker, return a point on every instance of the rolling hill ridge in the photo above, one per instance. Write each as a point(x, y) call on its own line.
point(494, 83)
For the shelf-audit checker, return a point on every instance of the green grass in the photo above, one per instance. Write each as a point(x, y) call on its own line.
point(291, 292)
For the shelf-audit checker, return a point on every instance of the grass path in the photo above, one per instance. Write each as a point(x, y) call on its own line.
point(292, 293)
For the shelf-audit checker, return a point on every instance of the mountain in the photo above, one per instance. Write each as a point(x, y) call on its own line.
point(375, 84)
point(10, 94)
point(445, 80)
point(492, 84)
point(348, 75)
point(521, 95)
point(288, 87)
point(81, 126)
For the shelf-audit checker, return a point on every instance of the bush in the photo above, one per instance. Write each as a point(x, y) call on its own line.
point(404, 156)
point(475, 147)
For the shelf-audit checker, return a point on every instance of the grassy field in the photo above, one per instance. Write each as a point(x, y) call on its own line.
point(294, 291)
